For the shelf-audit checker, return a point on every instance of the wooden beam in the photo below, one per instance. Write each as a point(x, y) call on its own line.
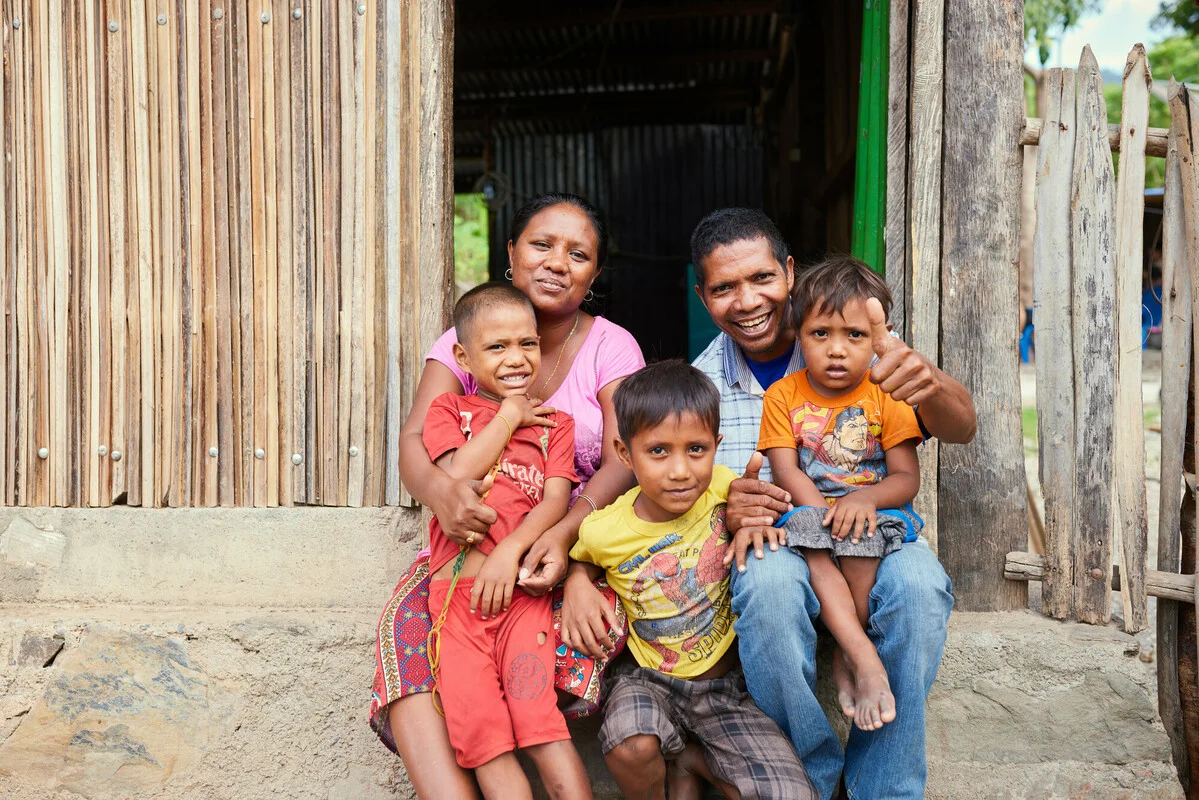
point(979, 307)
point(1055, 362)
point(1093, 240)
point(559, 15)
point(1131, 512)
point(895, 227)
point(1021, 566)
point(1155, 138)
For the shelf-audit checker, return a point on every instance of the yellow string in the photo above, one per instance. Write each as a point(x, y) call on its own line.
point(433, 643)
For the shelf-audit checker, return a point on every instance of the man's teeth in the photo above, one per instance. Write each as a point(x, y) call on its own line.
point(754, 324)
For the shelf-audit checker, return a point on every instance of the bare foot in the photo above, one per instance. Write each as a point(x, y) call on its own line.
point(875, 703)
point(843, 680)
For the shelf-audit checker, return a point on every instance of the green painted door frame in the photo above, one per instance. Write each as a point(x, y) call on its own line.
point(870, 168)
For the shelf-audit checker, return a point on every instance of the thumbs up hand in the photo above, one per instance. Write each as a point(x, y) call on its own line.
point(900, 371)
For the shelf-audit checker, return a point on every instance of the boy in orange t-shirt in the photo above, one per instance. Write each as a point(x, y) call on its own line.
point(846, 451)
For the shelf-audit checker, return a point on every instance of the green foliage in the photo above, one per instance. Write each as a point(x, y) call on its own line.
point(1181, 14)
point(1177, 56)
point(1046, 20)
point(470, 239)
point(1159, 117)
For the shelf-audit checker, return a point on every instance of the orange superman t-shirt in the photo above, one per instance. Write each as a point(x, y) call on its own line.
point(532, 455)
point(842, 441)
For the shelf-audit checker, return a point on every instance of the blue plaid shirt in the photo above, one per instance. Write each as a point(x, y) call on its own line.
point(740, 400)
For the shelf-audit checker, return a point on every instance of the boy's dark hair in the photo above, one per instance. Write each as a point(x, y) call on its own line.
point(832, 283)
point(485, 296)
point(661, 390)
point(729, 225)
point(540, 203)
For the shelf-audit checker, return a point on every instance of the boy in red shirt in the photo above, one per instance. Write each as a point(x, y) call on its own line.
point(495, 668)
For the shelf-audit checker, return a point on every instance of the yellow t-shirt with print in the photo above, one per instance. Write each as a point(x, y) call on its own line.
point(670, 577)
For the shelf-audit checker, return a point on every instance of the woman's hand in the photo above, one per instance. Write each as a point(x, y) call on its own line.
point(545, 564)
point(460, 510)
point(523, 412)
point(587, 617)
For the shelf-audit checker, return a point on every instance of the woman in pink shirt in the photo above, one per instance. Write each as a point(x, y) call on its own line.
point(557, 248)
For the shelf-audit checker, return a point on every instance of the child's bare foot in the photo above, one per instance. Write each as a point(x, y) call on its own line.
point(874, 701)
point(843, 680)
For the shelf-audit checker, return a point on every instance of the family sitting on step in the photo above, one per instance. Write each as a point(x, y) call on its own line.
point(593, 518)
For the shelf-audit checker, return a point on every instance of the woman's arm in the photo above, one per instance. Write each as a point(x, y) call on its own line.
point(457, 504)
point(546, 562)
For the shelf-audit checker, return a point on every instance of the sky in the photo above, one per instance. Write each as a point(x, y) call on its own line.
point(1111, 33)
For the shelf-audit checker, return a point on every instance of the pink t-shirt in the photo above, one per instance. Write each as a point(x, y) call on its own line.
point(609, 353)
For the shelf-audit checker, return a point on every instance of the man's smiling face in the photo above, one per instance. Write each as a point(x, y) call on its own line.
point(746, 290)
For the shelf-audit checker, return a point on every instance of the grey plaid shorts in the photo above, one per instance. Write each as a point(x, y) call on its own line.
point(742, 746)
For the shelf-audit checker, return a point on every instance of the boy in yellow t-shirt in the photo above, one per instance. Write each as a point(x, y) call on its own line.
point(661, 548)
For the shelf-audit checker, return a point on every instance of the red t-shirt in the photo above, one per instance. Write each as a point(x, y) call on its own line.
point(532, 455)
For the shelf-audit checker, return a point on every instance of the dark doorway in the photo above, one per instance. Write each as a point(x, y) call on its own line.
point(659, 111)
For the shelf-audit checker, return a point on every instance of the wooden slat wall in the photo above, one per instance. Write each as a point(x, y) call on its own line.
point(226, 246)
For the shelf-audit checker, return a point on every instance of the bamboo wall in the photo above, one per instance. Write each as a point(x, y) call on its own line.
point(226, 247)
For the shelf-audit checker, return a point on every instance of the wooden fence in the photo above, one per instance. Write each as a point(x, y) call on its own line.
point(218, 274)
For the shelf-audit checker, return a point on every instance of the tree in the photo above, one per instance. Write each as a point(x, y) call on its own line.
point(1183, 14)
point(1046, 20)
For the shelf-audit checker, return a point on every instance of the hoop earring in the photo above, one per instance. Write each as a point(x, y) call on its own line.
point(587, 298)
point(508, 274)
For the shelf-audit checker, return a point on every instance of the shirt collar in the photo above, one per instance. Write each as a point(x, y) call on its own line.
point(736, 367)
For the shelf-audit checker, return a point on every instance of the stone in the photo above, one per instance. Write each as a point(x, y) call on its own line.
point(122, 712)
point(24, 543)
point(36, 650)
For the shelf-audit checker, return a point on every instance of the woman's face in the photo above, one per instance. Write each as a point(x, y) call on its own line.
point(554, 259)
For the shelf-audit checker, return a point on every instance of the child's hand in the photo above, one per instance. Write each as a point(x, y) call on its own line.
point(523, 412)
point(753, 536)
point(492, 589)
point(850, 516)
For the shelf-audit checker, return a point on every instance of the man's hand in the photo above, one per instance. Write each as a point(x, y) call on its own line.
point(900, 371)
point(461, 512)
point(753, 502)
point(852, 515)
point(491, 592)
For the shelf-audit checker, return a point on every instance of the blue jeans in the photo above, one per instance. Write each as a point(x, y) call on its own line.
point(909, 614)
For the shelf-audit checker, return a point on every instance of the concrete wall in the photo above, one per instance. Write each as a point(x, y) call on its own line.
point(229, 653)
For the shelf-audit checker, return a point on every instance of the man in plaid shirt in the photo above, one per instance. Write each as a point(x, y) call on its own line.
point(744, 277)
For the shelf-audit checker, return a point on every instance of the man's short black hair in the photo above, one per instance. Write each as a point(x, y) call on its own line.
point(661, 390)
point(481, 298)
point(831, 284)
point(728, 225)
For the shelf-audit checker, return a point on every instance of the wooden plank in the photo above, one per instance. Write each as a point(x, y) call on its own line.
point(21, 257)
point(895, 228)
point(145, 267)
point(88, 453)
point(8, 398)
point(981, 172)
point(395, 60)
point(353, 404)
point(191, 425)
point(257, 199)
point(374, 320)
point(1132, 520)
point(330, 175)
point(1053, 292)
point(1022, 566)
point(435, 258)
point(57, 225)
point(1093, 253)
point(1176, 372)
point(923, 314)
point(268, 441)
point(117, 237)
point(241, 246)
point(43, 286)
point(284, 254)
point(1155, 138)
point(347, 319)
point(302, 263)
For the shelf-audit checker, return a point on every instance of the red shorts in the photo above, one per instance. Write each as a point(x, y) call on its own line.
point(496, 682)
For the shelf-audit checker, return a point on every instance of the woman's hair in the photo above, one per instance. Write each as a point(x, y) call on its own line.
point(550, 199)
point(665, 389)
point(831, 284)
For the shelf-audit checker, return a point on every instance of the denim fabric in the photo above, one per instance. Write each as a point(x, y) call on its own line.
point(909, 613)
